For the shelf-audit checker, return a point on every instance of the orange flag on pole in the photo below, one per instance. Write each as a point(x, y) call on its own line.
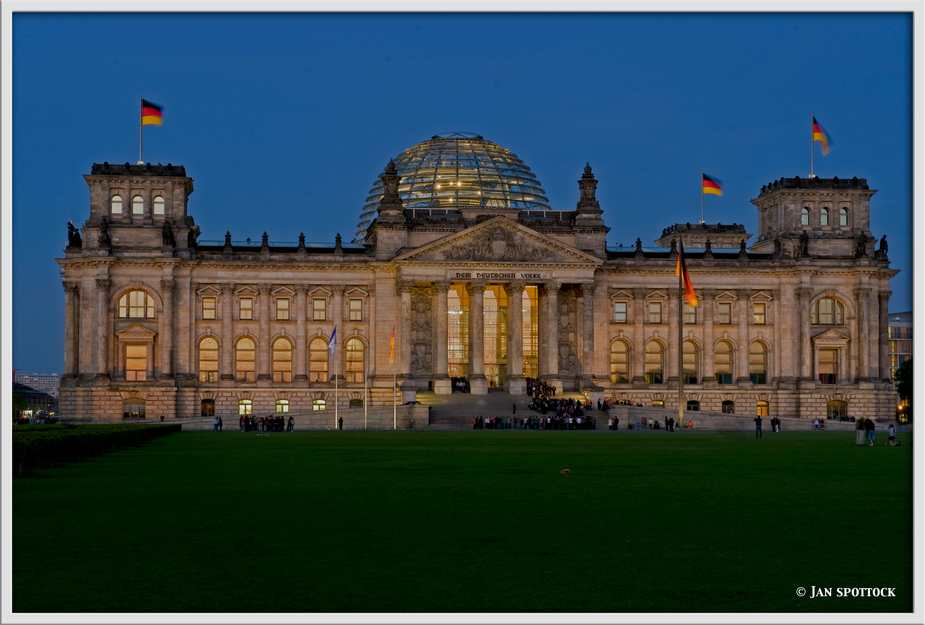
point(681, 270)
point(392, 348)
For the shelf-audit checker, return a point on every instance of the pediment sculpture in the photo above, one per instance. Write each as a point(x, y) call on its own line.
point(498, 244)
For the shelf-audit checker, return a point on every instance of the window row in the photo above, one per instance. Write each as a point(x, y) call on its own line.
point(723, 313)
point(723, 362)
point(319, 355)
point(319, 311)
point(138, 205)
point(246, 406)
point(824, 216)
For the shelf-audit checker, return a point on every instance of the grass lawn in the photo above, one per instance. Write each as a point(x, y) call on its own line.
point(469, 521)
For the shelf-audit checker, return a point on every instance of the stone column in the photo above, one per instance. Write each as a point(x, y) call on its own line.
point(185, 334)
point(404, 338)
point(192, 348)
point(104, 328)
point(264, 348)
point(166, 328)
point(478, 384)
point(587, 357)
point(86, 356)
point(148, 208)
point(515, 383)
point(339, 323)
point(775, 315)
point(226, 371)
point(805, 345)
point(709, 352)
point(552, 335)
point(371, 331)
point(639, 337)
point(884, 359)
point(671, 367)
point(862, 336)
point(442, 384)
point(300, 355)
point(71, 319)
point(741, 360)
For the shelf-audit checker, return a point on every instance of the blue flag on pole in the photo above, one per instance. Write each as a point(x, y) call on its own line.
point(333, 340)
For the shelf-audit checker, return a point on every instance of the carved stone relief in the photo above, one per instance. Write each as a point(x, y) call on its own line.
point(568, 333)
point(422, 314)
point(498, 244)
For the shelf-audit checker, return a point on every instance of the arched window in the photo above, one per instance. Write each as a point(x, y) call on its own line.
point(136, 305)
point(689, 358)
point(824, 217)
point(245, 360)
point(138, 205)
point(693, 405)
point(282, 405)
point(207, 408)
point(729, 407)
point(282, 360)
point(355, 363)
point(619, 362)
point(245, 407)
point(115, 204)
point(318, 360)
point(653, 362)
point(827, 312)
point(208, 360)
point(133, 408)
point(843, 216)
point(758, 363)
point(762, 409)
point(658, 403)
point(158, 205)
point(722, 362)
point(804, 216)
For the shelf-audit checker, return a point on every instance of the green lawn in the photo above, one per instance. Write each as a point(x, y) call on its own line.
point(470, 521)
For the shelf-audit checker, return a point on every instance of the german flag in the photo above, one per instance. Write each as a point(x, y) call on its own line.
point(392, 348)
point(151, 114)
point(820, 136)
point(711, 185)
point(681, 270)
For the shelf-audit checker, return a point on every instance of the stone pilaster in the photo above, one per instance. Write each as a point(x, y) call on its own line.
point(226, 371)
point(515, 383)
point(884, 352)
point(264, 349)
point(184, 336)
point(300, 355)
point(552, 335)
point(404, 340)
point(805, 344)
point(862, 299)
point(587, 358)
point(166, 328)
point(707, 305)
point(741, 360)
point(671, 367)
point(339, 323)
point(442, 384)
point(478, 384)
point(104, 329)
point(71, 312)
point(639, 337)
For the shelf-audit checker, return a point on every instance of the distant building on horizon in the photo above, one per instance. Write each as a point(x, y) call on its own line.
point(45, 382)
point(900, 329)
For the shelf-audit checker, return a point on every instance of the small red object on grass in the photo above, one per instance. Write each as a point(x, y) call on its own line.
point(564, 471)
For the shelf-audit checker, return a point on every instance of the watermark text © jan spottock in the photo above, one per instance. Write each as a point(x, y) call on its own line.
point(820, 591)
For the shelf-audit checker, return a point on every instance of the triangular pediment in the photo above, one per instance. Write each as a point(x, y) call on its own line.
point(499, 240)
point(136, 332)
point(831, 337)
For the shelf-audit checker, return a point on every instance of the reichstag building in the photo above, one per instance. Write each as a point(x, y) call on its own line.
point(459, 256)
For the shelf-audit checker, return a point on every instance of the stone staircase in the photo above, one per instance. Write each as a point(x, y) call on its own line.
point(456, 411)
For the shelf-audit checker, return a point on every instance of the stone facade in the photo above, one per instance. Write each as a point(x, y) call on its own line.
point(157, 323)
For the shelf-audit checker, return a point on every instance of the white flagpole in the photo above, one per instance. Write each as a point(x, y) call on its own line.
point(365, 385)
point(141, 99)
point(682, 267)
point(812, 148)
point(701, 196)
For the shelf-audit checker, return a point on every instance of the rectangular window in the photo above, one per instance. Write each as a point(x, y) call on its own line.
point(319, 309)
point(828, 366)
point(282, 405)
point(655, 312)
point(725, 313)
point(759, 314)
point(136, 363)
point(690, 314)
point(356, 310)
point(246, 308)
point(208, 308)
point(282, 309)
point(318, 404)
point(619, 312)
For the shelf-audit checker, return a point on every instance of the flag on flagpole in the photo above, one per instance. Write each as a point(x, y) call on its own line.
point(151, 113)
point(711, 186)
point(392, 348)
point(820, 136)
point(681, 270)
point(333, 340)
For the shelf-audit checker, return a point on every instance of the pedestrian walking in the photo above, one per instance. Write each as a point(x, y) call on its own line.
point(859, 431)
point(340, 423)
point(758, 426)
point(215, 424)
point(219, 424)
point(870, 429)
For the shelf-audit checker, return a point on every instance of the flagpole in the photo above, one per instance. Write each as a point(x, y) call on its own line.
point(140, 125)
point(683, 268)
point(812, 150)
point(701, 196)
point(335, 381)
point(365, 382)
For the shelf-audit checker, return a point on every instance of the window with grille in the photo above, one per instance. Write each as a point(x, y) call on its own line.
point(319, 309)
point(828, 366)
point(655, 312)
point(136, 362)
point(758, 363)
point(619, 362)
point(653, 362)
point(245, 407)
point(207, 408)
point(725, 313)
point(282, 360)
point(729, 407)
point(356, 310)
point(761, 409)
point(690, 314)
point(722, 363)
point(355, 361)
point(282, 405)
point(246, 308)
point(282, 309)
point(619, 312)
point(245, 361)
point(136, 305)
point(208, 360)
point(827, 312)
point(318, 360)
point(759, 313)
point(133, 408)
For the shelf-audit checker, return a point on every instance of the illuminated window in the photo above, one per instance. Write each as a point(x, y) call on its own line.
point(804, 216)
point(158, 205)
point(653, 362)
point(207, 408)
point(619, 312)
point(208, 308)
point(690, 314)
point(655, 312)
point(246, 308)
point(136, 362)
point(828, 366)
point(827, 312)
point(282, 360)
point(138, 205)
point(762, 409)
point(319, 309)
point(843, 216)
point(133, 408)
point(658, 403)
point(722, 362)
point(282, 405)
point(457, 302)
point(318, 404)
point(619, 362)
point(356, 310)
point(318, 360)
point(208, 360)
point(115, 205)
point(824, 217)
point(136, 305)
point(689, 363)
point(725, 313)
point(282, 309)
point(758, 313)
point(530, 320)
point(245, 360)
point(758, 363)
point(355, 363)
point(729, 407)
point(245, 407)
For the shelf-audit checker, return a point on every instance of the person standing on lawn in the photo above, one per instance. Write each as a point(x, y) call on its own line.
point(892, 433)
point(870, 429)
point(859, 431)
point(758, 426)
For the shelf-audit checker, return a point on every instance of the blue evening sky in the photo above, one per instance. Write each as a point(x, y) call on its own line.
point(286, 120)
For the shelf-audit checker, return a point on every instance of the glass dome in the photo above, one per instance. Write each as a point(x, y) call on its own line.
point(459, 170)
